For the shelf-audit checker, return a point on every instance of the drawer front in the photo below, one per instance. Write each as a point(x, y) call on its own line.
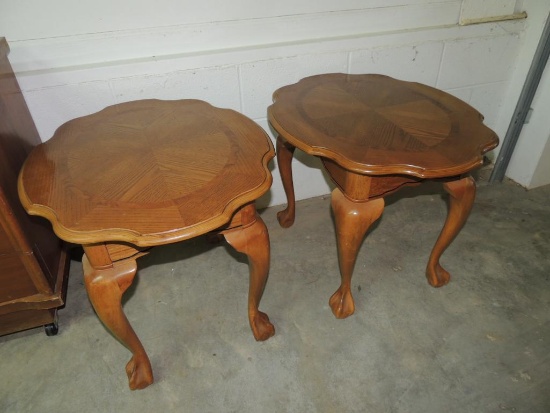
point(15, 282)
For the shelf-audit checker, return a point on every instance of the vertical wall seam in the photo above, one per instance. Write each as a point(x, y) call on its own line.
point(241, 91)
point(440, 64)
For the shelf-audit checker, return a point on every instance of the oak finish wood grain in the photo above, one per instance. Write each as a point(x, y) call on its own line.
point(375, 135)
point(147, 173)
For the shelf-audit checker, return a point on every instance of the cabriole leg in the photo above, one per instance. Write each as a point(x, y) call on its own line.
point(252, 239)
point(105, 288)
point(353, 219)
point(285, 151)
point(462, 194)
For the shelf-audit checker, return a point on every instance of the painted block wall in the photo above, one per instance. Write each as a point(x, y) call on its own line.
point(475, 63)
point(530, 163)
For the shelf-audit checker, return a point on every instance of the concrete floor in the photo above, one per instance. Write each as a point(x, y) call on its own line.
point(480, 344)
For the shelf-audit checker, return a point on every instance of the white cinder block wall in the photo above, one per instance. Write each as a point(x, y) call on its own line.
point(235, 55)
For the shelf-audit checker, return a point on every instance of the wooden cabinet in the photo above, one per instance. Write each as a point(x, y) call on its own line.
point(33, 261)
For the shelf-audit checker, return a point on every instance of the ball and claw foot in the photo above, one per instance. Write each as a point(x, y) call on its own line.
point(437, 276)
point(261, 326)
point(140, 373)
point(285, 218)
point(342, 304)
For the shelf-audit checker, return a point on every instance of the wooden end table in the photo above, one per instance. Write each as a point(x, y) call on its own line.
point(148, 173)
point(374, 135)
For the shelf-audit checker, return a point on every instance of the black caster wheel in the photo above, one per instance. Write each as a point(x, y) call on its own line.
point(53, 328)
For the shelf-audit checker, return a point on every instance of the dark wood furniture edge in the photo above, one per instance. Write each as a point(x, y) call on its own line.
point(4, 48)
point(44, 301)
point(39, 309)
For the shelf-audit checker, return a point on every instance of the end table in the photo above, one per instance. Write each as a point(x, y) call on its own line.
point(147, 173)
point(374, 135)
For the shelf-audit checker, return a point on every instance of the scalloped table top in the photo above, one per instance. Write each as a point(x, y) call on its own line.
point(377, 125)
point(147, 172)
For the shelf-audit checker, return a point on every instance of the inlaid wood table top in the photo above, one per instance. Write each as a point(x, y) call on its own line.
point(374, 135)
point(377, 125)
point(147, 173)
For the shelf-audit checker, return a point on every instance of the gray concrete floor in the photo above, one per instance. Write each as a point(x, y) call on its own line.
point(479, 344)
